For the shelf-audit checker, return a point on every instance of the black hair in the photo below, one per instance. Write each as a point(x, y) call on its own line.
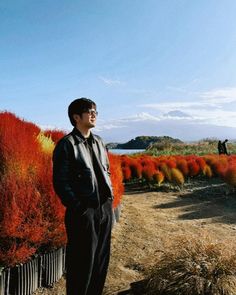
point(79, 106)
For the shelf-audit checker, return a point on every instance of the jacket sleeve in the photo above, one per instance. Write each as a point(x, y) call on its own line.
point(106, 157)
point(62, 170)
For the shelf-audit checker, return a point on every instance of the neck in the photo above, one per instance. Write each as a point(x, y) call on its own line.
point(84, 131)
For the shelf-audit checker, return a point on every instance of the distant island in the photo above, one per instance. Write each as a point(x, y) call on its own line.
point(143, 142)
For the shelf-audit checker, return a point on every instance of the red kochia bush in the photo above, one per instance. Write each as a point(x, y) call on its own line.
point(126, 173)
point(18, 149)
point(21, 215)
point(193, 167)
point(31, 215)
point(53, 210)
point(148, 172)
point(116, 178)
point(21, 225)
point(230, 175)
point(171, 163)
point(11, 252)
point(125, 166)
point(218, 168)
point(148, 167)
point(136, 168)
point(182, 165)
point(201, 163)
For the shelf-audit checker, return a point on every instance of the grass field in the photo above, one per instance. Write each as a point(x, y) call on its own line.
point(199, 148)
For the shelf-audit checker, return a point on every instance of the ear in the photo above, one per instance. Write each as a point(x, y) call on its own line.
point(76, 117)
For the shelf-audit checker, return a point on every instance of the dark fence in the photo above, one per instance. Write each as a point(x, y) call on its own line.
point(53, 265)
point(4, 281)
point(41, 271)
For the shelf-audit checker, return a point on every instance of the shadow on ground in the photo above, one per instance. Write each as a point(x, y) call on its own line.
point(204, 199)
point(199, 199)
point(139, 187)
point(136, 288)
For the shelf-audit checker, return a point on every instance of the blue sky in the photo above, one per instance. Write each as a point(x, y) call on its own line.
point(154, 67)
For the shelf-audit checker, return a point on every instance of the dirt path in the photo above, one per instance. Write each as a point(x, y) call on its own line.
point(149, 222)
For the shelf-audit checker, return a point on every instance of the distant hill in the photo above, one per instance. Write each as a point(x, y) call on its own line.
point(143, 142)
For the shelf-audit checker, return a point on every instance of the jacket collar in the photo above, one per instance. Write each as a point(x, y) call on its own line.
point(79, 138)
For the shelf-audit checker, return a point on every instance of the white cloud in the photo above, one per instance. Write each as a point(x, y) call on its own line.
point(195, 116)
point(141, 117)
point(220, 96)
point(183, 105)
point(108, 126)
point(213, 98)
point(124, 122)
point(178, 115)
point(218, 117)
point(185, 128)
point(111, 82)
point(207, 107)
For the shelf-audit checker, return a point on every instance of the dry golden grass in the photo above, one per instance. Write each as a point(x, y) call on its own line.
point(194, 266)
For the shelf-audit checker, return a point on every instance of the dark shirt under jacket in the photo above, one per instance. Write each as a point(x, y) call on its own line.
point(102, 194)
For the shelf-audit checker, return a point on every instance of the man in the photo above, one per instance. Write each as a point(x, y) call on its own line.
point(81, 180)
point(220, 148)
point(224, 147)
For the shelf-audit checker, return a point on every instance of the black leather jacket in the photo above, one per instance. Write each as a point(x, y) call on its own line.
point(74, 178)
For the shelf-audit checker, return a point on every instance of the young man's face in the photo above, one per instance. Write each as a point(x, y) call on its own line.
point(87, 119)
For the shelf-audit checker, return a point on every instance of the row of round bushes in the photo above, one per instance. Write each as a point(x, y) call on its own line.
point(176, 169)
point(31, 215)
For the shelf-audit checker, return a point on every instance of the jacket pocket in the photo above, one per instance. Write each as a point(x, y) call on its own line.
point(84, 184)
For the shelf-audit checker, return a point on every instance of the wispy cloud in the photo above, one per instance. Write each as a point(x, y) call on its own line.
point(210, 106)
point(111, 82)
point(215, 98)
point(109, 125)
point(177, 115)
point(124, 122)
point(176, 105)
point(186, 128)
point(208, 113)
point(220, 96)
point(141, 117)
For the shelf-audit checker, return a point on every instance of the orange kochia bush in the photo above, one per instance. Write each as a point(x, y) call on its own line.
point(167, 168)
point(230, 174)
point(31, 215)
point(116, 178)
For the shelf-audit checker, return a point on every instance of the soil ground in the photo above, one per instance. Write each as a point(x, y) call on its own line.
point(152, 218)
